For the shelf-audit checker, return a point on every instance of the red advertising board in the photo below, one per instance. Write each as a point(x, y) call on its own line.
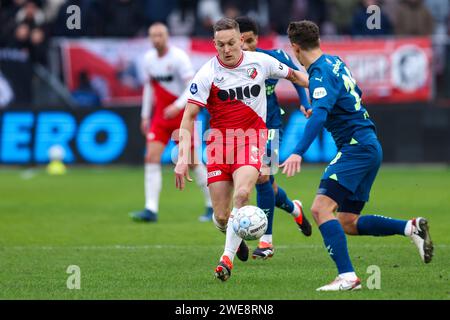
point(387, 70)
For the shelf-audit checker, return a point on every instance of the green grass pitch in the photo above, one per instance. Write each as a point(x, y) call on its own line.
point(50, 222)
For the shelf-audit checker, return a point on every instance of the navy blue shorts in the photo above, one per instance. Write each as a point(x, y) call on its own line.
point(353, 169)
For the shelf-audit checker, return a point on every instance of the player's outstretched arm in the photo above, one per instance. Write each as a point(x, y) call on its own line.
point(146, 108)
point(299, 78)
point(172, 110)
point(293, 164)
point(185, 140)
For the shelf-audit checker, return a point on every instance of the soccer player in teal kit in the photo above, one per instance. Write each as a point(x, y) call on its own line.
point(269, 193)
point(346, 183)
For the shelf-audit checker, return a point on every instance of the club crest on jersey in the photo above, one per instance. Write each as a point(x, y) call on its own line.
point(193, 88)
point(252, 73)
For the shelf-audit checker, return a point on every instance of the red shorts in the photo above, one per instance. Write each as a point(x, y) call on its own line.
point(162, 129)
point(225, 159)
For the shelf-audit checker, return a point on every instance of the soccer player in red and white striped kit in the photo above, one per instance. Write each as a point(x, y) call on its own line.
point(231, 86)
point(168, 72)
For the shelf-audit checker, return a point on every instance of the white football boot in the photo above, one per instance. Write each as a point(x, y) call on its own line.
point(341, 284)
point(420, 235)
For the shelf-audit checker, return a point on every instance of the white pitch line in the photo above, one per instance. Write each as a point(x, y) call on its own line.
point(168, 246)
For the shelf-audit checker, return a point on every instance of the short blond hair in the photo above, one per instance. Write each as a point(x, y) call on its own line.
point(226, 24)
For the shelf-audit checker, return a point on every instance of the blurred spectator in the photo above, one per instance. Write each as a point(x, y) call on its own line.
point(341, 14)
point(8, 12)
point(258, 10)
point(389, 8)
point(314, 10)
point(30, 38)
point(230, 10)
point(181, 21)
point(85, 95)
point(122, 18)
point(51, 9)
point(208, 12)
point(278, 11)
point(21, 37)
point(30, 14)
point(157, 11)
point(38, 46)
point(360, 18)
point(318, 11)
point(439, 9)
point(300, 10)
point(413, 19)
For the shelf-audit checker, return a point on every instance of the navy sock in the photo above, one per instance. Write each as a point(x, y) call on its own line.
point(374, 225)
point(336, 244)
point(283, 202)
point(265, 199)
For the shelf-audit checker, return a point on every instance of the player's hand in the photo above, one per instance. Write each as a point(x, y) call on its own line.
point(181, 171)
point(144, 126)
point(306, 113)
point(171, 111)
point(292, 165)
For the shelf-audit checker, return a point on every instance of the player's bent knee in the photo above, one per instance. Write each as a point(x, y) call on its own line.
point(320, 211)
point(317, 209)
point(348, 223)
point(241, 197)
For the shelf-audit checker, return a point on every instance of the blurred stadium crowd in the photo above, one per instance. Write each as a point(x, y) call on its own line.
point(30, 23)
point(28, 27)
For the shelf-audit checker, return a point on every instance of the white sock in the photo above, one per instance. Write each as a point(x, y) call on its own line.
point(152, 183)
point(296, 211)
point(266, 238)
point(408, 228)
point(232, 241)
point(201, 175)
point(218, 225)
point(350, 276)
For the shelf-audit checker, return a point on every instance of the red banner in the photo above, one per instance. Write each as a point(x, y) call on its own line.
point(386, 70)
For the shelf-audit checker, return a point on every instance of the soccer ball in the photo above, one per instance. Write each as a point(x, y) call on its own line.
point(250, 223)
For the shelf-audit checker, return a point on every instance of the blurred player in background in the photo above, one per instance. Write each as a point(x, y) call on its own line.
point(168, 71)
point(231, 87)
point(269, 194)
point(346, 183)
